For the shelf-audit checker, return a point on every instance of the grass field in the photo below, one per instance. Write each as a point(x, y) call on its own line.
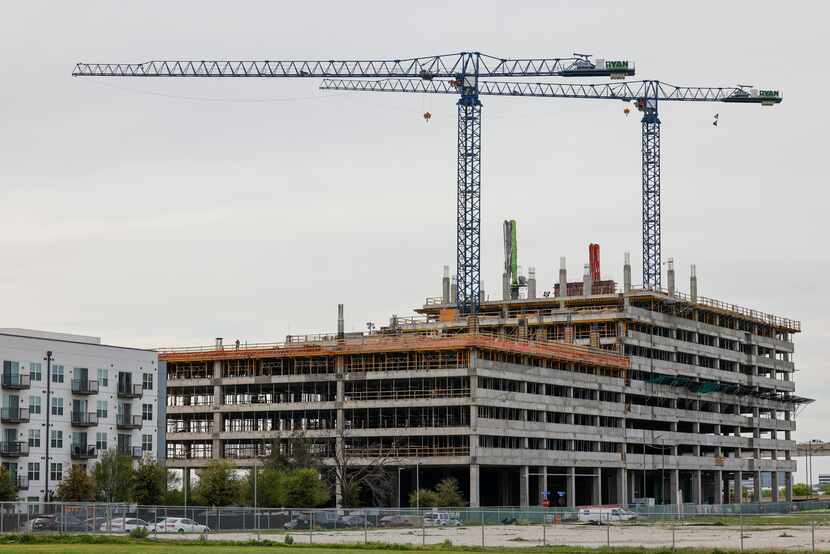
point(125, 546)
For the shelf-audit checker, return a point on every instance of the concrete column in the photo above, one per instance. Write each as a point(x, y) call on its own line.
point(739, 487)
point(542, 486)
point(697, 487)
point(531, 282)
point(630, 481)
point(693, 285)
point(563, 282)
point(596, 490)
point(475, 500)
point(570, 487)
point(718, 487)
point(587, 282)
point(775, 485)
point(622, 487)
point(670, 276)
point(524, 486)
point(674, 484)
point(627, 273)
point(756, 486)
point(445, 286)
point(216, 444)
point(339, 367)
point(788, 486)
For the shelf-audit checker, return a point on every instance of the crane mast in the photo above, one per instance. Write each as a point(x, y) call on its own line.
point(462, 71)
point(648, 94)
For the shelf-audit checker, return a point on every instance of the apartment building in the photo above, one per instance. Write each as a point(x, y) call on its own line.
point(95, 397)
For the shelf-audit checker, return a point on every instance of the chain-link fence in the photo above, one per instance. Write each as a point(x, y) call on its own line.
point(804, 526)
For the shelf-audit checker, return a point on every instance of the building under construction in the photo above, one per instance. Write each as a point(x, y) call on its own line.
point(589, 393)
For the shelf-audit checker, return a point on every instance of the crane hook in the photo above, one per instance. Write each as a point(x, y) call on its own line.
point(427, 116)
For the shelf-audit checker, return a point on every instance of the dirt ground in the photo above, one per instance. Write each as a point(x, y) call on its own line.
point(779, 537)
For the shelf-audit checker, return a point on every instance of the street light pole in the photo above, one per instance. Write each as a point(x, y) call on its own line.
point(256, 515)
point(48, 359)
point(417, 486)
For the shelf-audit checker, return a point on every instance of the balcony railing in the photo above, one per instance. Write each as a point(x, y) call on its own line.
point(83, 451)
point(84, 386)
point(84, 419)
point(16, 381)
point(131, 451)
point(14, 449)
point(14, 415)
point(22, 482)
point(128, 421)
point(129, 391)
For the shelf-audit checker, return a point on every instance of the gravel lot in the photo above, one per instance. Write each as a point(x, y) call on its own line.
point(779, 537)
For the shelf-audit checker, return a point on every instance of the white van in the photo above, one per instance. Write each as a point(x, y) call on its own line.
point(441, 519)
point(605, 515)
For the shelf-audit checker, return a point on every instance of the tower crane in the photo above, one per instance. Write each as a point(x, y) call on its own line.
point(647, 95)
point(458, 74)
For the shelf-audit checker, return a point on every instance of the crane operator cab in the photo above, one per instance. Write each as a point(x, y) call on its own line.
point(582, 66)
point(752, 95)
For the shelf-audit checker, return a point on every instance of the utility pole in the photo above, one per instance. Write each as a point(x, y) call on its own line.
point(48, 359)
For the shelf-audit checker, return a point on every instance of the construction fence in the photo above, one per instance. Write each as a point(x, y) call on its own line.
point(795, 526)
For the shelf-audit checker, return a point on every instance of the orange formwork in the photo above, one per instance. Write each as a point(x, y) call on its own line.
point(401, 343)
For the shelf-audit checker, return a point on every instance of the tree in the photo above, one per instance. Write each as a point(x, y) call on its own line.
point(8, 487)
point(446, 494)
point(305, 489)
point(270, 489)
point(218, 485)
point(150, 483)
point(449, 493)
point(77, 486)
point(114, 477)
point(425, 498)
point(801, 489)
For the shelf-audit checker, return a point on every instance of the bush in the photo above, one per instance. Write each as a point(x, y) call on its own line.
point(139, 533)
point(288, 539)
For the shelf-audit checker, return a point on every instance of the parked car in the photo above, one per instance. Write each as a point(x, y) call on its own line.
point(178, 525)
point(352, 520)
point(125, 524)
point(65, 522)
point(300, 520)
point(397, 520)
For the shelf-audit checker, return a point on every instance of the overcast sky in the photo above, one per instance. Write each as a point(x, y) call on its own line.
point(168, 212)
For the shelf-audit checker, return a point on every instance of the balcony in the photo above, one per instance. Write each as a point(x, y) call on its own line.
point(131, 451)
point(14, 381)
point(22, 482)
point(84, 386)
point(14, 415)
point(128, 421)
point(129, 391)
point(83, 452)
point(84, 419)
point(14, 449)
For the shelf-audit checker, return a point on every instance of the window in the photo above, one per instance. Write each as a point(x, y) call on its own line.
point(10, 367)
point(57, 374)
point(56, 471)
point(147, 383)
point(101, 408)
point(103, 377)
point(34, 404)
point(101, 441)
point(147, 412)
point(35, 371)
point(34, 471)
point(34, 438)
point(56, 440)
point(146, 443)
point(57, 406)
